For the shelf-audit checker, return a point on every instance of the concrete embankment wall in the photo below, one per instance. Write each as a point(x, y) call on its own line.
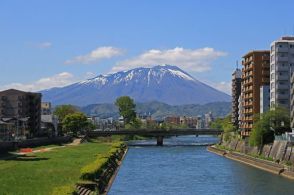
point(280, 155)
point(103, 179)
point(9, 146)
point(280, 151)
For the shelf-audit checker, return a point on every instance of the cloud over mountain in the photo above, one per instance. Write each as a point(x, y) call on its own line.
point(96, 55)
point(196, 60)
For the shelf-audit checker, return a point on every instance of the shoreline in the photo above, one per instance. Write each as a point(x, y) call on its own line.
point(110, 182)
point(261, 164)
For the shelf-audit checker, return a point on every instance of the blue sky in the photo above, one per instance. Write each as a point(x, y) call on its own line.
point(49, 43)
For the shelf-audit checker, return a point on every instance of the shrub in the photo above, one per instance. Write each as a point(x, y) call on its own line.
point(62, 190)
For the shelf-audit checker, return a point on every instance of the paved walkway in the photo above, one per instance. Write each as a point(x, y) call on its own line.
point(74, 143)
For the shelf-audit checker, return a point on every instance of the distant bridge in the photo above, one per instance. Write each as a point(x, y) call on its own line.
point(159, 134)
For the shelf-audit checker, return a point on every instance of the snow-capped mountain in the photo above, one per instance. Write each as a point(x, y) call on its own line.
point(168, 84)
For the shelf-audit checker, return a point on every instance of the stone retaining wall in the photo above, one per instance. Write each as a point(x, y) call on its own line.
point(265, 165)
point(280, 151)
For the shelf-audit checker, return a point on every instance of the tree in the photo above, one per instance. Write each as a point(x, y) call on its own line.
point(268, 124)
point(75, 123)
point(63, 110)
point(126, 107)
point(225, 125)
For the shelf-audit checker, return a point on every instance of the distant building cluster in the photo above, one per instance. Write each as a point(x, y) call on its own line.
point(198, 122)
point(265, 82)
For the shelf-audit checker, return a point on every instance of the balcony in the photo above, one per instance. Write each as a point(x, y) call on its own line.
point(283, 96)
point(265, 58)
point(265, 80)
point(265, 72)
point(282, 86)
point(282, 77)
point(282, 49)
point(282, 59)
point(282, 68)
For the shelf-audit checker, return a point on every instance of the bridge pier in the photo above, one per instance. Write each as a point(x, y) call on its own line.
point(159, 140)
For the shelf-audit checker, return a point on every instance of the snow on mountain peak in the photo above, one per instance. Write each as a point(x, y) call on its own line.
point(166, 83)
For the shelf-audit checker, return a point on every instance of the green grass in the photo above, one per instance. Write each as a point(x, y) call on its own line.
point(43, 173)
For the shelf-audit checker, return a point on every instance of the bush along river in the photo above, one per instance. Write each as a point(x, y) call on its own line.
point(182, 166)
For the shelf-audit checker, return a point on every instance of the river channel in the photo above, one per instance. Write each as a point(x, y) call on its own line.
point(181, 166)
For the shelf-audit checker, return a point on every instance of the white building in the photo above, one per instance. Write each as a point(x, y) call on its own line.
point(281, 65)
point(292, 102)
point(264, 98)
point(208, 119)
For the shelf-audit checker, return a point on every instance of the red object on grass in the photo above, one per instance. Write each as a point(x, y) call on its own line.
point(26, 150)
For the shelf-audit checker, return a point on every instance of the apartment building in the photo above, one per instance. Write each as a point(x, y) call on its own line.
point(236, 92)
point(281, 66)
point(292, 102)
point(20, 106)
point(264, 98)
point(255, 73)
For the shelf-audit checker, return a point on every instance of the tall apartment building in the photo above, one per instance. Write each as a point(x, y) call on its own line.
point(236, 92)
point(281, 66)
point(18, 104)
point(264, 98)
point(255, 73)
point(292, 101)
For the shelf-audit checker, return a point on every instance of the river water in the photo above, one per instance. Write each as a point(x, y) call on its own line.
point(182, 167)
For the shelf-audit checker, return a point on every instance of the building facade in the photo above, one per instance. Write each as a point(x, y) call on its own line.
point(281, 66)
point(236, 92)
point(46, 108)
point(255, 73)
point(292, 102)
point(20, 106)
point(172, 120)
point(208, 118)
point(264, 98)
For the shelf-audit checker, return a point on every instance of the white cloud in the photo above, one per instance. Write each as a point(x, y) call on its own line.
point(58, 80)
point(223, 86)
point(96, 55)
point(90, 75)
point(44, 45)
point(196, 60)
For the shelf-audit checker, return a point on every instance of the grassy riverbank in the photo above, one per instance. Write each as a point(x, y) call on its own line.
point(53, 171)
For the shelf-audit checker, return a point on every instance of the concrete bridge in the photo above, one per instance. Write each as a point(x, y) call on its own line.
point(159, 134)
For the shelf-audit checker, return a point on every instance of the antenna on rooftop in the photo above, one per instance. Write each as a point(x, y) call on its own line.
point(237, 64)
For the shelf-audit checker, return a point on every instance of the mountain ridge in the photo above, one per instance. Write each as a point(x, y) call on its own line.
point(166, 83)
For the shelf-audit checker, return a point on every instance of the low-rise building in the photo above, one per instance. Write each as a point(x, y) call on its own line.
point(172, 120)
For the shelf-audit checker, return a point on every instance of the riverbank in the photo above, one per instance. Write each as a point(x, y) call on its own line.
point(98, 176)
point(55, 171)
point(262, 164)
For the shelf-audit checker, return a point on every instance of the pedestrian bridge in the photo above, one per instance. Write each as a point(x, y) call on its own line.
point(158, 133)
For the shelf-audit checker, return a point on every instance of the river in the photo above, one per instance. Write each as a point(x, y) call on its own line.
point(182, 167)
